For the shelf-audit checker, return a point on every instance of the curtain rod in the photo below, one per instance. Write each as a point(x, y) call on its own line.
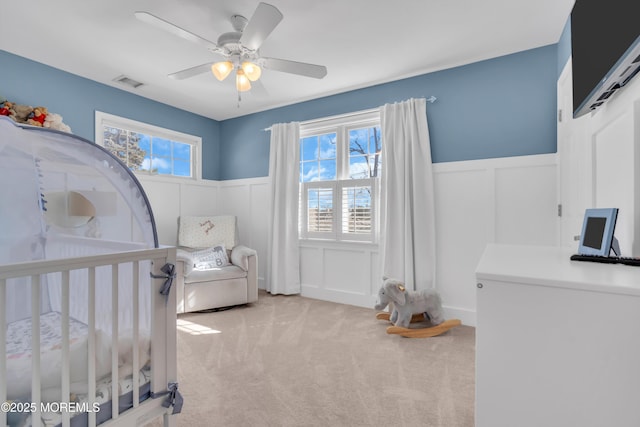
point(430, 99)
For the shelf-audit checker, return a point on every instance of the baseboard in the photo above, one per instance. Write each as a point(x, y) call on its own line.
point(466, 316)
point(358, 300)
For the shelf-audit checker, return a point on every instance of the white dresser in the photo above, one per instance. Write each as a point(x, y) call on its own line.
point(558, 341)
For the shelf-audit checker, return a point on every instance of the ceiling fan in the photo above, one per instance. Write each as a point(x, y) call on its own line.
point(240, 48)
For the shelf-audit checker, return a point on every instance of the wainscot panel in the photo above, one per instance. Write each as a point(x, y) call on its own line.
point(171, 198)
point(506, 200)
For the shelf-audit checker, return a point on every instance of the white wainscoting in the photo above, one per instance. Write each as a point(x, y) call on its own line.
point(340, 272)
point(171, 198)
point(246, 198)
point(507, 200)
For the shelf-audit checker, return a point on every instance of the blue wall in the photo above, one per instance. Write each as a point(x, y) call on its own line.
point(500, 107)
point(564, 47)
point(76, 99)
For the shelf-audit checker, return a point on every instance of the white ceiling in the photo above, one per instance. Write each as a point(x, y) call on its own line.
point(361, 42)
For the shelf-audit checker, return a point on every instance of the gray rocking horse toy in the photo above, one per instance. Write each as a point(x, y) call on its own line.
point(411, 307)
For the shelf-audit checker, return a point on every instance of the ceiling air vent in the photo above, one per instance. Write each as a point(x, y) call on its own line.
point(128, 81)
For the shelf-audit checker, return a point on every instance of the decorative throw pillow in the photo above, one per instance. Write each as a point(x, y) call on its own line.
point(205, 231)
point(213, 257)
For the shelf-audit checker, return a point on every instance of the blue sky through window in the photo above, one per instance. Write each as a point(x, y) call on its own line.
point(318, 158)
point(148, 148)
point(161, 156)
point(164, 156)
point(365, 145)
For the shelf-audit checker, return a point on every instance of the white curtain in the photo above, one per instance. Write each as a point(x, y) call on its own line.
point(284, 172)
point(407, 226)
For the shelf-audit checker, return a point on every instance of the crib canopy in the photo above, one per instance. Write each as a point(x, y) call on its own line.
point(58, 187)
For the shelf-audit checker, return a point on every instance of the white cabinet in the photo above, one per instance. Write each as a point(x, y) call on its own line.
point(558, 341)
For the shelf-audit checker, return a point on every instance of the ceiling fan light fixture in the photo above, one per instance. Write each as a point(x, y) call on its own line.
point(222, 69)
point(242, 82)
point(251, 70)
point(240, 48)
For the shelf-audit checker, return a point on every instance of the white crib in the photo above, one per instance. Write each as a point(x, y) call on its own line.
point(86, 338)
point(162, 335)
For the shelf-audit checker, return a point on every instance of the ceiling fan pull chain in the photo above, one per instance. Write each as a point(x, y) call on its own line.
point(239, 98)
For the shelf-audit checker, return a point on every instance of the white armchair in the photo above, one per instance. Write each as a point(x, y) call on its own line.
point(212, 269)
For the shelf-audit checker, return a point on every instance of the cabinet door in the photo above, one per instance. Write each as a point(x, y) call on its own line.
point(575, 163)
point(599, 162)
point(556, 357)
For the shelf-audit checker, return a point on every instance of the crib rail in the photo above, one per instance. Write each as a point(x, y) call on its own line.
point(162, 333)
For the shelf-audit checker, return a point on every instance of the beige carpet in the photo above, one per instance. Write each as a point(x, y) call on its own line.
point(294, 361)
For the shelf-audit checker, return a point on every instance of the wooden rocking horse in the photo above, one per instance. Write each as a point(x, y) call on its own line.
point(427, 332)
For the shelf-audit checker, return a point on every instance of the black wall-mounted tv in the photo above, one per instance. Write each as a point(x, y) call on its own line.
point(605, 50)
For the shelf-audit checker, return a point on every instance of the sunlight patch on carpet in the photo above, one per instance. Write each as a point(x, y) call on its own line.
point(194, 328)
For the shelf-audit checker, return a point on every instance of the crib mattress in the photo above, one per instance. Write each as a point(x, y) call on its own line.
point(19, 352)
point(19, 371)
point(19, 335)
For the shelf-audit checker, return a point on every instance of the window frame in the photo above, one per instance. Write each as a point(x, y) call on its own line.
point(304, 204)
point(105, 119)
point(341, 126)
point(371, 182)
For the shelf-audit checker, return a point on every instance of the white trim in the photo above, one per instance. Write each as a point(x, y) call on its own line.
point(245, 181)
point(319, 186)
point(353, 183)
point(102, 119)
point(496, 162)
point(337, 233)
point(340, 125)
point(357, 120)
point(373, 113)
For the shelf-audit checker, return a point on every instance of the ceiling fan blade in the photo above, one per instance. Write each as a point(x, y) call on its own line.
point(261, 24)
point(173, 29)
point(258, 89)
point(190, 72)
point(293, 67)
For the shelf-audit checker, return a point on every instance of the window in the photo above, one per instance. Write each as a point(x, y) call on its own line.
point(340, 163)
point(149, 149)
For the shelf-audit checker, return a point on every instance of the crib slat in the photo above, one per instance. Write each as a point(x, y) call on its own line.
point(91, 271)
point(65, 386)
point(136, 334)
point(35, 349)
point(158, 380)
point(3, 349)
point(114, 341)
